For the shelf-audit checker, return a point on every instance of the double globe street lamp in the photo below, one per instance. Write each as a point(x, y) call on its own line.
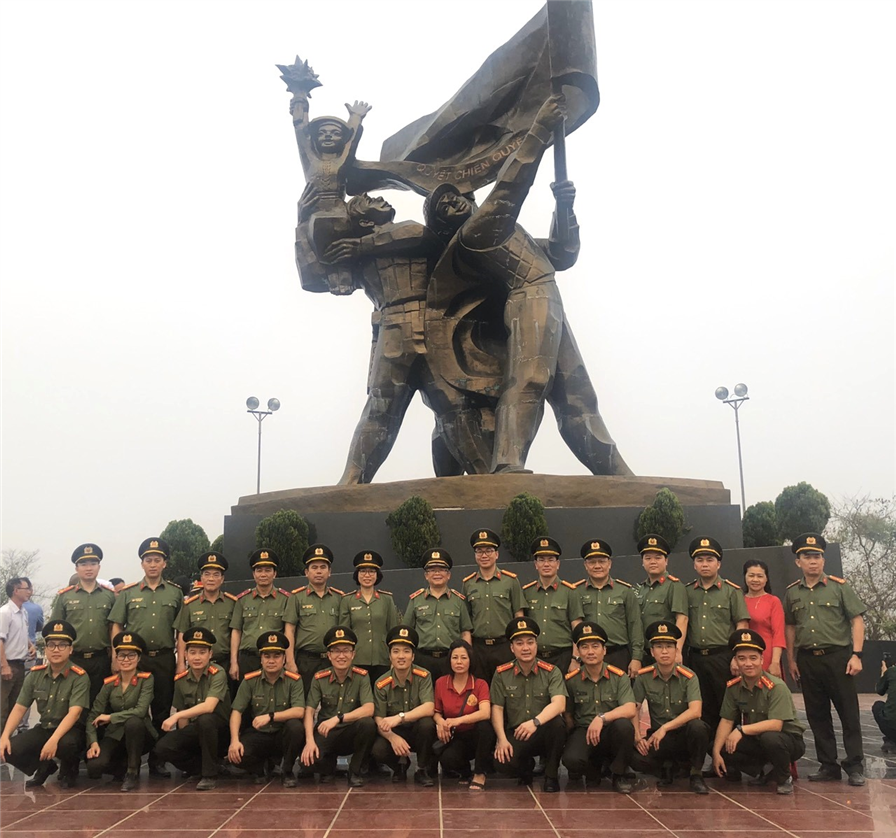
point(252, 405)
point(740, 396)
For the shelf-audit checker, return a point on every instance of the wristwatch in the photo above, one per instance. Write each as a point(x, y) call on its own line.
point(340, 717)
point(271, 717)
point(401, 715)
point(740, 730)
point(858, 654)
point(536, 721)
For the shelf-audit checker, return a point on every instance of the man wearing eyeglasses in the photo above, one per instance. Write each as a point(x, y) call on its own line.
point(613, 605)
point(553, 604)
point(494, 598)
point(86, 605)
point(62, 692)
point(14, 644)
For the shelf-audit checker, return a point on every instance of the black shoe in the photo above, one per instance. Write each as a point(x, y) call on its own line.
point(423, 778)
point(157, 769)
point(68, 779)
point(288, 780)
point(551, 785)
point(207, 784)
point(524, 780)
point(355, 781)
point(400, 774)
point(825, 775)
point(855, 778)
point(538, 771)
point(733, 775)
point(260, 779)
point(667, 775)
point(698, 785)
point(129, 782)
point(760, 779)
point(786, 786)
point(45, 769)
point(327, 779)
point(888, 746)
point(622, 784)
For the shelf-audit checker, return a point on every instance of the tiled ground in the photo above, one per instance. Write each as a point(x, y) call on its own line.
point(238, 809)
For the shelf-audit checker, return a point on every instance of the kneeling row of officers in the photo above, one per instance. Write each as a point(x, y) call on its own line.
point(586, 718)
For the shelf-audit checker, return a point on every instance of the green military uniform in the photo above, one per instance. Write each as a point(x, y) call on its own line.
point(439, 621)
point(370, 621)
point(313, 615)
point(88, 613)
point(615, 608)
point(54, 697)
point(589, 698)
point(254, 615)
point(198, 610)
point(190, 691)
point(662, 599)
point(129, 725)
point(151, 613)
point(554, 609)
point(822, 617)
point(666, 700)
point(492, 604)
point(334, 697)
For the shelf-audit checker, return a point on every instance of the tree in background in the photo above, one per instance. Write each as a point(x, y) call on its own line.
point(218, 544)
point(413, 528)
point(866, 531)
point(188, 542)
point(760, 525)
point(801, 508)
point(665, 517)
point(524, 520)
point(286, 533)
point(24, 563)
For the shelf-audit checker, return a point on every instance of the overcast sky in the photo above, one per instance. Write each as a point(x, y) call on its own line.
point(735, 193)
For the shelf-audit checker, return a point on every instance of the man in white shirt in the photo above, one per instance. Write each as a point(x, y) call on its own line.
point(15, 646)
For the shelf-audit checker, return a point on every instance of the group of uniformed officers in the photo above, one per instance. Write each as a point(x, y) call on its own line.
point(283, 683)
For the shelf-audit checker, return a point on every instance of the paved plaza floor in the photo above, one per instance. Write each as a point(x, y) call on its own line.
point(239, 809)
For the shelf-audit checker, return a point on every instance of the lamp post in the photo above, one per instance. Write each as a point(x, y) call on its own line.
point(740, 396)
point(252, 405)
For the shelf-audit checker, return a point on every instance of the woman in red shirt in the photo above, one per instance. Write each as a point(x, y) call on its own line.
point(766, 614)
point(463, 719)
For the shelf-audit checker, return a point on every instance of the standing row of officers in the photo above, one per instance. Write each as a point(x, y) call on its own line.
point(300, 678)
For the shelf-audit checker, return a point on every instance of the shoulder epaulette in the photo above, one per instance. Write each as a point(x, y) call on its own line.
point(529, 585)
point(322, 674)
point(243, 593)
point(569, 584)
point(144, 675)
point(838, 579)
point(580, 582)
point(292, 675)
point(504, 667)
point(458, 593)
point(231, 596)
point(39, 666)
point(471, 576)
point(768, 682)
point(622, 582)
point(65, 591)
point(793, 583)
point(337, 591)
point(510, 573)
point(125, 588)
point(299, 590)
point(106, 587)
point(190, 599)
point(733, 681)
point(250, 675)
point(283, 591)
point(110, 680)
point(381, 591)
point(693, 582)
point(359, 670)
point(384, 682)
point(645, 669)
point(77, 670)
point(213, 670)
point(172, 582)
point(683, 670)
point(673, 578)
point(182, 675)
point(547, 667)
point(349, 593)
point(422, 673)
point(570, 675)
point(614, 669)
point(417, 593)
point(733, 584)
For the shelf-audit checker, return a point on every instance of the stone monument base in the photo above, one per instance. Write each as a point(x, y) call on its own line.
point(353, 518)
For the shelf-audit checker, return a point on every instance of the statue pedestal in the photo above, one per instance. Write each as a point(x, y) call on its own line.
point(353, 518)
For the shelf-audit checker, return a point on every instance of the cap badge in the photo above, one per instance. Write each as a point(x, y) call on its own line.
point(402, 632)
point(810, 539)
point(651, 542)
point(586, 629)
point(746, 637)
point(544, 542)
point(436, 554)
point(87, 550)
point(340, 633)
point(704, 542)
point(483, 535)
point(595, 545)
point(368, 557)
point(58, 627)
point(153, 544)
point(264, 554)
point(127, 639)
point(318, 551)
point(662, 628)
point(272, 638)
point(521, 624)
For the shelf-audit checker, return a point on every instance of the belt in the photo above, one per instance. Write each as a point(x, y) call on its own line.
point(91, 654)
point(434, 653)
point(490, 641)
point(308, 654)
point(828, 650)
point(153, 653)
point(552, 653)
point(710, 650)
point(616, 648)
